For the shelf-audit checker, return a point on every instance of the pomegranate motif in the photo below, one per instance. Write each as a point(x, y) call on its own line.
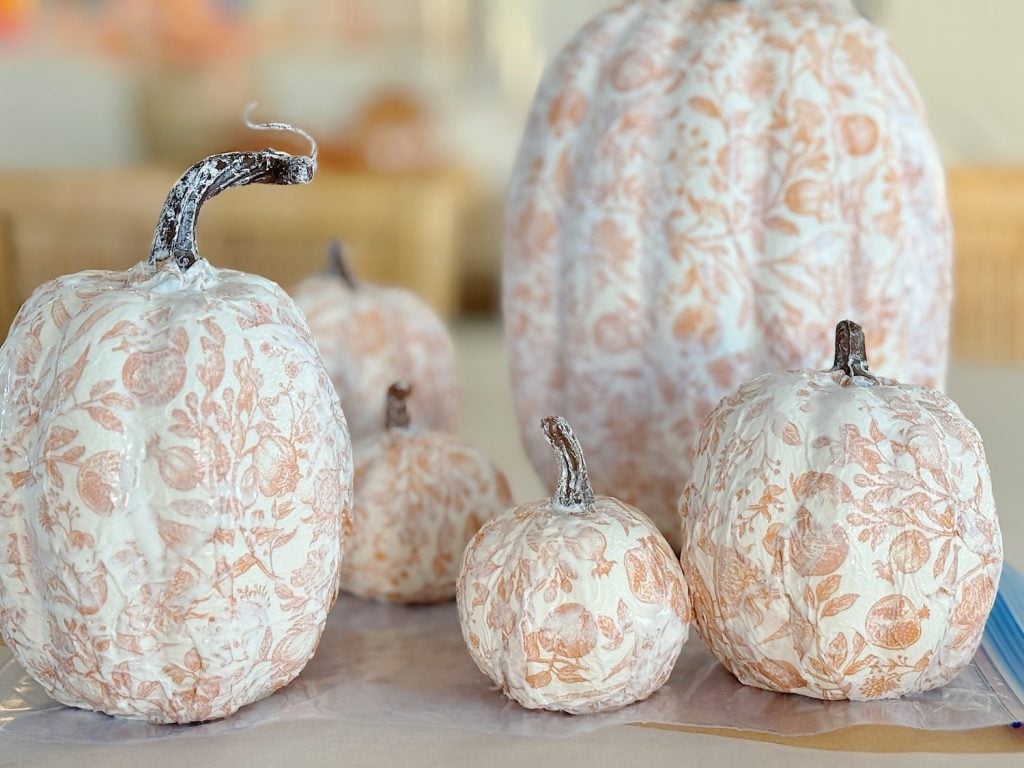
point(156, 377)
point(894, 623)
point(575, 603)
point(840, 537)
point(569, 631)
point(100, 482)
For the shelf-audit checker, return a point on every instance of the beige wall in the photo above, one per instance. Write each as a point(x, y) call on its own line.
point(968, 61)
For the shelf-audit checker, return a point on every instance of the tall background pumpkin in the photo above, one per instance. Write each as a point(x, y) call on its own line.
point(693, 175)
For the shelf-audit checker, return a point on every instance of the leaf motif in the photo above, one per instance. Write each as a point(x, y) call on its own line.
point(940, 559)
point(147, 688)
point(192, 660)
point(129, 643)
point(53, 471)
point(59, 313)
point(568, 676)
point(106, 418)
point(538, 679)
point(176, 673)
point(59, 437)
point(69, 378)
point(268, 640)
point(780, 224)
point(837, 652)
point(243, 564)
point(827, 587)
point(19, 479)
point(118, 400)
point(705, 106)
point(101, 388)
point(121, 328)
point(839, 604)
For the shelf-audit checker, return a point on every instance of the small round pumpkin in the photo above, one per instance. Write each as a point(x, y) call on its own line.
point(573, 603)
point(420, 496)
point(370, 336)
point(840, 536)
point(174, 473)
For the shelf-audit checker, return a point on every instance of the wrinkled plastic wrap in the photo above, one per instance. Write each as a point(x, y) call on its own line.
point(409, 666)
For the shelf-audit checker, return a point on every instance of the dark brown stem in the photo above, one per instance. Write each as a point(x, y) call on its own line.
point(396, 407)
point(338, 263)
point(574, 491)
point(175, 236)
point(851, 354)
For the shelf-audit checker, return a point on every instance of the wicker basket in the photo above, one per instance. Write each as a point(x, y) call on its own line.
point(400, 229)
point(988, 221)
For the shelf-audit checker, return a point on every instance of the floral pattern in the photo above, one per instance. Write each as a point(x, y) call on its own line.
point(174, 475)
point(419, 499)
point(694, 176)
point(580, 611)
point(371, 336)
point(839, 540)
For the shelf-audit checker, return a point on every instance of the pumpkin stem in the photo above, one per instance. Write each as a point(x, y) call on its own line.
point(339, 265)
point(574, 491)
point(851, 354)
point(396, 407)
point(175, 236)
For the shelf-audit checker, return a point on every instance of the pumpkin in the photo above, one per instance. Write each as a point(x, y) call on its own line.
point(574, 603)
point(693, 176)
point(371, 336)
point(420, 496)
point(840, 537)
point(174, 474)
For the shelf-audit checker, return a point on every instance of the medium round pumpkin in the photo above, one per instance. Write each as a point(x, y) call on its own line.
point(371, 336)
point(575, 603)
point(839, 535)
point(420, 496)
point(174, 471)
point(693, 176)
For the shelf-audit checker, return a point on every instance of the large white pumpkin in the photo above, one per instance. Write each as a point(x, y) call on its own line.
point(174, 473)
point(839, 535)
point(696, 175)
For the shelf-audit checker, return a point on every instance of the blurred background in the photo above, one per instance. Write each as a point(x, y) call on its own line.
point(419, 106)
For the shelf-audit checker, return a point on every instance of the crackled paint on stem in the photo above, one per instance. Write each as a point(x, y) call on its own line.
point(574, 492)
point(851, 354)
point(339, 265)
point(175, 236)
point(396, 407)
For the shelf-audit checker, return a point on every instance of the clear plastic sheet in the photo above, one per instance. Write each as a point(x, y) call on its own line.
point(408, 666)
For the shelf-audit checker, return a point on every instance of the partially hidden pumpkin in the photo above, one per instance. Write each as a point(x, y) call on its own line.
point(371, 336)
point(174, 474)
point(695, 175)
point(574, 603)
point(420, 496)
point(839, 535)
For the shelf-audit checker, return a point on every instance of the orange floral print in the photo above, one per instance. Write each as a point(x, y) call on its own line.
point(693, 177)
point(575, 603)
point(175, 474)
point(420, 497)
point(859, 561)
